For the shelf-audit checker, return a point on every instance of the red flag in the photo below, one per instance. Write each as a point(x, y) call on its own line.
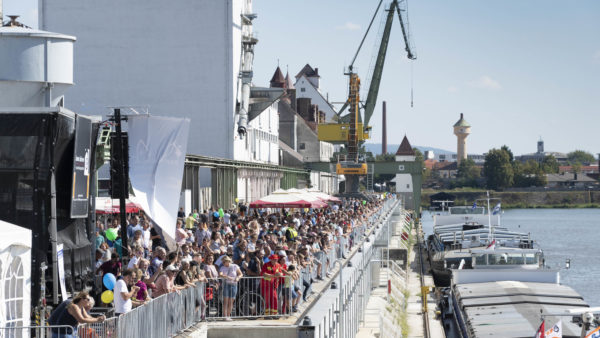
point(540, 332)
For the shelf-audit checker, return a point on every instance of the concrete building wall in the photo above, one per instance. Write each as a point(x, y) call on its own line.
point(179, 58)
point(403, 183)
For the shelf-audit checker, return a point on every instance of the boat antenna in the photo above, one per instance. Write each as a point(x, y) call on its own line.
point(489, 217)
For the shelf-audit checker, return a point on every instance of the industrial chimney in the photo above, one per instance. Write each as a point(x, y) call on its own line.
point(384, 133)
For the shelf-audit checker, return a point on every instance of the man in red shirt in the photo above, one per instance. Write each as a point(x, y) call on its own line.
point(268, 284)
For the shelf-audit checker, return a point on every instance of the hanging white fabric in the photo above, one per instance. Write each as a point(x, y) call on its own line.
point(157, 149)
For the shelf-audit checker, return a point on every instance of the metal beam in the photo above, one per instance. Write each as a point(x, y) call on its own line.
point(213, 162)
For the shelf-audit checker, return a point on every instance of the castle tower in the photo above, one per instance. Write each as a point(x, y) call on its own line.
point(277, 81)
point(462, 129)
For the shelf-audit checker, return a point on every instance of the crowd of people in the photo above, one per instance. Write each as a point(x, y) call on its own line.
point(267, 249)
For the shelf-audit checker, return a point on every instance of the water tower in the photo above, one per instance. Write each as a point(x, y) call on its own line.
point(462, 129)
point(37, 67)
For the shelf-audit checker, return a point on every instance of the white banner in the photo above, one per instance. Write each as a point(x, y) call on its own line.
point(61, 270)
point(157, 148)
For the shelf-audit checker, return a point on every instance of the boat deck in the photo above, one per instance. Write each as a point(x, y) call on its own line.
point(512, 309)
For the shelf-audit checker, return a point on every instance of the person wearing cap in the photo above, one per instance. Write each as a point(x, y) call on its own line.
point(268, 284)
point(166, 282)
point(231, 274)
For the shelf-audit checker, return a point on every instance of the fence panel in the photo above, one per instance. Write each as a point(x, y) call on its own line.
point(35, 331)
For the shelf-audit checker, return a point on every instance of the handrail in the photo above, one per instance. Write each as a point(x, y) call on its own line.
point(426, 331)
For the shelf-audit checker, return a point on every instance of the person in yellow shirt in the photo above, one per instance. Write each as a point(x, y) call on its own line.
point(190, 222)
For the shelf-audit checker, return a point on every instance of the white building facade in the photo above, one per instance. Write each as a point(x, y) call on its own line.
point(185, 58)
point(180, 58)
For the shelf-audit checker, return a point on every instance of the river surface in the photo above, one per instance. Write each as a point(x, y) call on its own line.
point(562, 234)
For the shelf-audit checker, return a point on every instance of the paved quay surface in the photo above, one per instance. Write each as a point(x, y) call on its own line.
point(378, 301)
point(415, 303)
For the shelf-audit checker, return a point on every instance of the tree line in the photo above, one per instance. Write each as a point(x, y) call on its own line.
point(501, 170)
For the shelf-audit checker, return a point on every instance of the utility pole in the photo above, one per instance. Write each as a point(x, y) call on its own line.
point(117, 150)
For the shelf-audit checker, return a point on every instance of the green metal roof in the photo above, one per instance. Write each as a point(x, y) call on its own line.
point(462, 122)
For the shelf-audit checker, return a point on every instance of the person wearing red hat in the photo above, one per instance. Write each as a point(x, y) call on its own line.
point(268, 284)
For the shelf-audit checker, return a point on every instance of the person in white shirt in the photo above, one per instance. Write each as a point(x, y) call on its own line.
point(122, 296)
point(231, 274)
point(146, 235)
point(138, 253)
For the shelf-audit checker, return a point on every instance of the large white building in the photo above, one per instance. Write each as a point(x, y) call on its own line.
point(184, 58)
point(178, 58)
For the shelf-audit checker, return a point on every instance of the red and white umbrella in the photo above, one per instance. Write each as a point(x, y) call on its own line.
point(106, 205)
point(325, 197)
point(285, 199)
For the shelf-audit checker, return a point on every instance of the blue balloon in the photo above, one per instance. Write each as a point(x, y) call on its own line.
point(109, 281)
point(215, 214)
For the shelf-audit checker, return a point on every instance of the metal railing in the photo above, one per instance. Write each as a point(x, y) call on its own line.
point(37, 331)
point(252, 297)
point(343, 315)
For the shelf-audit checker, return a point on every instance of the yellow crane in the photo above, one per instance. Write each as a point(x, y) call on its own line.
point(350, 129)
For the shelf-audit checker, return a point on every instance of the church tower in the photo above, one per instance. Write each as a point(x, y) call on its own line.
point(462, 129)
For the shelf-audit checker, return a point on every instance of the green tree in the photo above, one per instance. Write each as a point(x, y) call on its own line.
point(549, 164)
point(580, 156)
point(385, 158)
point(529, 174)
point(509, 152)
point(467, 174)
point(498, 169)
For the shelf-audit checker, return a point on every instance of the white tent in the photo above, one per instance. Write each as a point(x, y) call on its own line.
point(15, 275)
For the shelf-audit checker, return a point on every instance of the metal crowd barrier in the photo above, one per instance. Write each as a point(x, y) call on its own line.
point(344, 315)
point(35, 331)
point(108, 328)
point(254, 297)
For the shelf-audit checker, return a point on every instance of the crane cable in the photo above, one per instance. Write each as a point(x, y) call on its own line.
point(411, 84)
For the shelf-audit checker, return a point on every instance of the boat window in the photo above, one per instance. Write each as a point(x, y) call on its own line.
point(516, 259)
point(481, 260)
point(531, 258)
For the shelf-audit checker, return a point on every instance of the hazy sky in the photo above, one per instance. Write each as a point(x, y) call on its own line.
point(518, 70)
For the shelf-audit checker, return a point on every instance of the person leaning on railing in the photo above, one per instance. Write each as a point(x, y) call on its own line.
point(166, 282)
point(184, 277)
point(72, 313)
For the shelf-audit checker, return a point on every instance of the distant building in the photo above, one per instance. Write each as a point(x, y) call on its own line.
point(307, 86)
point(404, 186)
point(585, 169)
point(447, 169)
point(541, 154)
point(566, 180)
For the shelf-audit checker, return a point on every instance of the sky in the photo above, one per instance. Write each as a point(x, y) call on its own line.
point(518, 70)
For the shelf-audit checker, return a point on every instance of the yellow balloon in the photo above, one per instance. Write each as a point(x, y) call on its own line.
point(107, 297)
point(237, 200)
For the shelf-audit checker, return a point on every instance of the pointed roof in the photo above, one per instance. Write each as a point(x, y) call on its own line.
point(405, 148)
point(462, 122)
point(308, 71)
point(277, 81)
point(288, 82)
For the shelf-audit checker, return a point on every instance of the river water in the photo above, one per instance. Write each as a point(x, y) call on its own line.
point(562, 234)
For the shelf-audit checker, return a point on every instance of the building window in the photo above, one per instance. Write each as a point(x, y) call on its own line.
point(303, 89)
point(408, 186)
point(302, 146)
